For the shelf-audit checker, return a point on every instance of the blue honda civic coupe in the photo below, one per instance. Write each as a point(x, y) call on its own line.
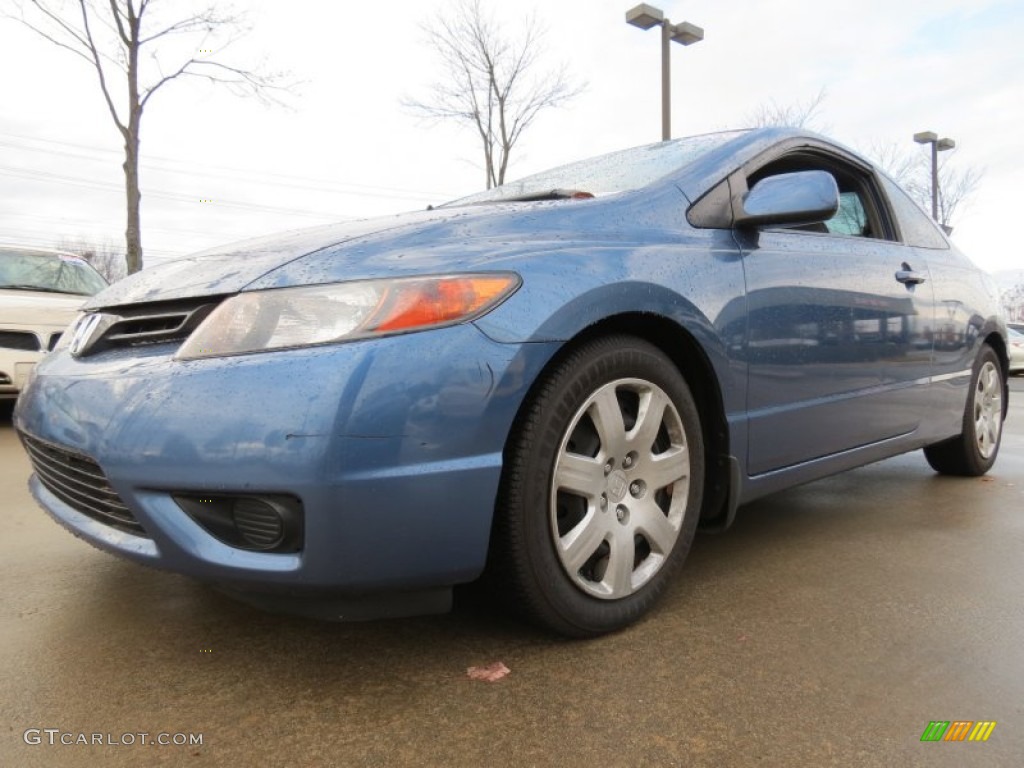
point(555, 382)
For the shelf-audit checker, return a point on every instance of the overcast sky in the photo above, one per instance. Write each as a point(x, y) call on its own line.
point(346, 147)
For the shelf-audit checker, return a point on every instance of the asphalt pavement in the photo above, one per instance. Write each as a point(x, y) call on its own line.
point(828, 627)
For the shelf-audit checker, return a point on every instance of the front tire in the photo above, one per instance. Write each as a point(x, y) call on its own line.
point(602, 488)
point(973, 452)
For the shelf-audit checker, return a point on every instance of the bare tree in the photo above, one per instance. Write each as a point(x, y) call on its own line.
point(492, 83)
point(140, 46)
point(1013, 303)
point(913, 171)
point(105, 257)
point(801, 114)
point(956, 187)
point(896, 161)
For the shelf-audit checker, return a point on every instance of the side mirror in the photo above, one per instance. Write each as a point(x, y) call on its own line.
point(804, 197)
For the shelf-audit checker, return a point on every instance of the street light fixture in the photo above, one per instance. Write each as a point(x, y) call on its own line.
point(938, 145)
point(646, 16)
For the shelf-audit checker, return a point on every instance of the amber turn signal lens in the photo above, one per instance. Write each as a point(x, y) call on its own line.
point(435, 301)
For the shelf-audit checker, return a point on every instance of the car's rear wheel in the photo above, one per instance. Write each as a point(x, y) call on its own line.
point(973, 452)
point(602, 488)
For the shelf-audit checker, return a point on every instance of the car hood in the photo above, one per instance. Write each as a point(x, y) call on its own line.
point(231, 268)
point(444, 240)
point(38, 308)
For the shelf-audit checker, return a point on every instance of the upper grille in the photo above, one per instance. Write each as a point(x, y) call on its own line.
point(79, 482)
point(156, 323)
point(22, 340)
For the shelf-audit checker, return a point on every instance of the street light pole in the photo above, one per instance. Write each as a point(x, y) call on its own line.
point(937, 145)
point(666, 82)
point(646, 16)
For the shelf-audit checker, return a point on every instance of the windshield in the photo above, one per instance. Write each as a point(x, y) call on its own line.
point(52, 272)
point(620, 171)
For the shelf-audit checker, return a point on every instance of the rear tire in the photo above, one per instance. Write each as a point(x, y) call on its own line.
point(973, 452)
point(602, 488)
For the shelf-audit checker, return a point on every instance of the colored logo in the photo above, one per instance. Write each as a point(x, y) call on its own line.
point(958, 730)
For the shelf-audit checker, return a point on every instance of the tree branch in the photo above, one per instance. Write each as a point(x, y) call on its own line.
point(489, 83)
point(242, 80)
point(99, 70)
point(116, 14)
point(60, 44)
point(207, 21)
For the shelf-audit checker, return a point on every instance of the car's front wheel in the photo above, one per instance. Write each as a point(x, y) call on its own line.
point(973, 452)
point(602, 487)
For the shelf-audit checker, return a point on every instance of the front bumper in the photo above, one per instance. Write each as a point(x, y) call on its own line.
point(15, 370)
point(393, 446)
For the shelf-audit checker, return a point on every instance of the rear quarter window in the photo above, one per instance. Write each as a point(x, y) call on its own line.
point(916, 226)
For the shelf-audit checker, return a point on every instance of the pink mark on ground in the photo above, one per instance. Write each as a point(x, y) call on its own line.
point(492, 673)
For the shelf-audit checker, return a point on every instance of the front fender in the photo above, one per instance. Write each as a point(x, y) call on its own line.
point(697, 286)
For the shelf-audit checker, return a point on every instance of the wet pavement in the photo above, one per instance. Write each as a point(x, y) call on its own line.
point(828, 627)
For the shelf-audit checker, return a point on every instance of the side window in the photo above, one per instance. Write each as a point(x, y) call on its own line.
point(851, 218)
point(857, 216)
point(917, 227)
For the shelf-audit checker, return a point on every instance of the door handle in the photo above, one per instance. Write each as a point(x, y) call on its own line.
point(908, 276)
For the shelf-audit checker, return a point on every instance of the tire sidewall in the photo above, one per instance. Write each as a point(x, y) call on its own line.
point(979, 463)
point(572, 384)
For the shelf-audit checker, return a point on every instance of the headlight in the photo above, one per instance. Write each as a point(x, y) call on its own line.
point(323, 314)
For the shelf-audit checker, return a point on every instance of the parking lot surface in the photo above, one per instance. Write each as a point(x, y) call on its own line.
point(828, 627)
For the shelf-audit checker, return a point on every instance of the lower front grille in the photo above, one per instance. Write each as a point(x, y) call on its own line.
point(79, 482)
point(21, 340)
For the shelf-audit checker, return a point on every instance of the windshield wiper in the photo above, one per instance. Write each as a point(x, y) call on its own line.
point(554, 194)
point(525, 197)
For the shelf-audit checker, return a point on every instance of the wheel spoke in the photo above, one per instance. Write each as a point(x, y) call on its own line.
point(579, 474)
point(990, 378)
point(618, 576)
point(991, 432)
point(995, 407)
point(648, 419)
point(582, 541)
point(655, 527)
point(606, 413)
point(666, 468)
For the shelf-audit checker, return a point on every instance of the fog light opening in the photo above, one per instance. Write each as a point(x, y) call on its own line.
point(259, 524)
point(262, 523)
